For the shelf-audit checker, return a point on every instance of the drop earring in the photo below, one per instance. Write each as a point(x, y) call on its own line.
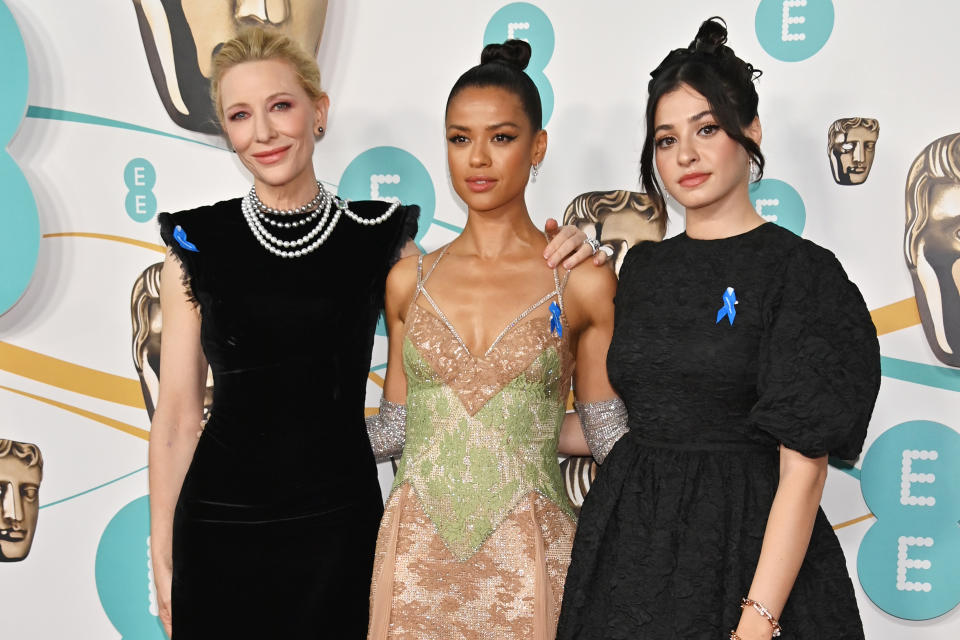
point(754, 171)
point(536, 171)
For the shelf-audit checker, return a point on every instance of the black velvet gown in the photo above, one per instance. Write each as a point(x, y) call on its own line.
point(669, 536)
point(276, 524)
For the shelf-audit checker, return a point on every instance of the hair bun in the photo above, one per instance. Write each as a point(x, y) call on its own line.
point(711, 36)
point(514, 53)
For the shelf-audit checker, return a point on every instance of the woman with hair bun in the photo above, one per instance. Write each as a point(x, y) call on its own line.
point(476, 534)
point(745, 357)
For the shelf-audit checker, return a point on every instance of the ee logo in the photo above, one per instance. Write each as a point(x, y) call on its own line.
point(390, 173)
point(794, 30)
point(124, 574)
point(20, 231)
point(776, 201)
point(140, 178)
point(909, 560)
point(524, 21)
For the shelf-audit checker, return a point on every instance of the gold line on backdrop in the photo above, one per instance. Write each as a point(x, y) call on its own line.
point(69, 376)
point(105, 236)
point(110, 422)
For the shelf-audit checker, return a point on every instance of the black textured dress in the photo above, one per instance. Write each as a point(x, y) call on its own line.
point(276, 524)
point(670, 534)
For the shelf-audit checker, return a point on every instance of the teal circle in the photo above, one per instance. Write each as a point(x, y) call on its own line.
point(14, 75)
point(539, 34)
point(784, 205)
point(122, 574)
point(774, 16)
point(19, 219)
point(141, 206)
point(139, 174)
point(415, 186)
point(878, 558)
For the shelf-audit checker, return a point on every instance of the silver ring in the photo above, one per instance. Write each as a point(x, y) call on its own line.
point(594, 245)
point(607, 249)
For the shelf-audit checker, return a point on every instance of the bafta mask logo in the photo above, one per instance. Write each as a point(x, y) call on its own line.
point(21, 470)
point(147, 321)
point(851, 143)
point(932, 243)
point(180, 38)
point(617, 219)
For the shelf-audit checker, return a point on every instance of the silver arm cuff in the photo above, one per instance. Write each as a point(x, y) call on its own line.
point(603, 424)
point(387, 430)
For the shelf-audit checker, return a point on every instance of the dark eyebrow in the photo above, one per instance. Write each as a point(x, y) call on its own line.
point(693, 118)
point(503, 124)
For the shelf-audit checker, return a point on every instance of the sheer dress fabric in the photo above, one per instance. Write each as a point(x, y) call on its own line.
point(275, 525)
point(670, 533)
point(476, 535)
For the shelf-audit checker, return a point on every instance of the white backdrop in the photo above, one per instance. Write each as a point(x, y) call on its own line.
point(67, 379)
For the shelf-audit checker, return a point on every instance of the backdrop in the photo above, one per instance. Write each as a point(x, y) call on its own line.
point(103, 123)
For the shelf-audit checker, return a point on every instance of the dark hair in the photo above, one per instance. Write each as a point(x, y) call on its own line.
point(502, 65)
point(712, 69)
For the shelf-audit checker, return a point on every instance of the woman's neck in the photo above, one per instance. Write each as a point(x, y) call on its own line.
point(727, 217)
point(495, 234)
point(290, 195)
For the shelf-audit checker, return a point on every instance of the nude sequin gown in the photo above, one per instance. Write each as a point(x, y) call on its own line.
point(476, 536)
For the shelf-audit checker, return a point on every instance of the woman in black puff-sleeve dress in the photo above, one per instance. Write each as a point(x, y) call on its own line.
point(743, 357)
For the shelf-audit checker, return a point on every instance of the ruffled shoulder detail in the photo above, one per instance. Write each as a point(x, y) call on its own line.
point(819, 368)
point(186, 233)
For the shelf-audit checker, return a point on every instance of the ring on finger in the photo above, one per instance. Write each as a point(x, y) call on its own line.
point(594, 245)
point(607, 249)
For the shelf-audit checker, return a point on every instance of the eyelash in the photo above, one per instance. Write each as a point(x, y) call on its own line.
point(241, 115)
point(502, 138)
point(662, 142)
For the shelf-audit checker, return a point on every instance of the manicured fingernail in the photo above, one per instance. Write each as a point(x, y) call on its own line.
point(550, 264)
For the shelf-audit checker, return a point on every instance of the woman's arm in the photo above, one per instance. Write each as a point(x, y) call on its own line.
point(176, 421)
point(785, 540)
point(589, 310)
point(387, 429)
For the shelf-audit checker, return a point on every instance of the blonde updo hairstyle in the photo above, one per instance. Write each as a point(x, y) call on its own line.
point(254, 44)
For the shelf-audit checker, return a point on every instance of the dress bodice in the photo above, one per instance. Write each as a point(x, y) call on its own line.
point(289, 340)
point(482, 430)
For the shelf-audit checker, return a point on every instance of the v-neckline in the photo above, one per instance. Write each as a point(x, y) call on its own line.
point(421, 288)
point(453, 330)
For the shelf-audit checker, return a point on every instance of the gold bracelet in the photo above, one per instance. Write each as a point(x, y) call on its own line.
point(762, 610)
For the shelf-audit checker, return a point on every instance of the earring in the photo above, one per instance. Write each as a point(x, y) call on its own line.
point(754, 170)
point(319, 130)
point(536, 170)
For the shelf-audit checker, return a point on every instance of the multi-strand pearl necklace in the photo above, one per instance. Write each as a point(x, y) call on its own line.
point(256, 214)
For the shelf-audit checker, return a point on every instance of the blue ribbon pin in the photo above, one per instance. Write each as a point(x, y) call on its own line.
point(728, 309)
point(181, 237)
point(555, 325)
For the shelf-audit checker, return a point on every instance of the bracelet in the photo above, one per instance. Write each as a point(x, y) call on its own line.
point(762, 610)
point(603, 423)
point(734, 636)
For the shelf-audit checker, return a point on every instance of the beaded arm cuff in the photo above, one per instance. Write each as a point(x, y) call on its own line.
point(387, 430)
point(603, 423)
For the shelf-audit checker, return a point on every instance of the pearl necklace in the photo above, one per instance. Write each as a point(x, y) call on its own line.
point(255, 213)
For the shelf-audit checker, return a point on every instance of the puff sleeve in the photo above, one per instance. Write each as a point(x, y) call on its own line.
point(819, 363)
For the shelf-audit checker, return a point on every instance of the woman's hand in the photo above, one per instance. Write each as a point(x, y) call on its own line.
point(162, 580)
point(567, 244)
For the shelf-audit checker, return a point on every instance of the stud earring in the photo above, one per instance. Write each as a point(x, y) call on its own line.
point(319, 130)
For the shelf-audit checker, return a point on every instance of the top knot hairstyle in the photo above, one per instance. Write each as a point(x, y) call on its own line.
point(712, 69)
point(501, 66)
